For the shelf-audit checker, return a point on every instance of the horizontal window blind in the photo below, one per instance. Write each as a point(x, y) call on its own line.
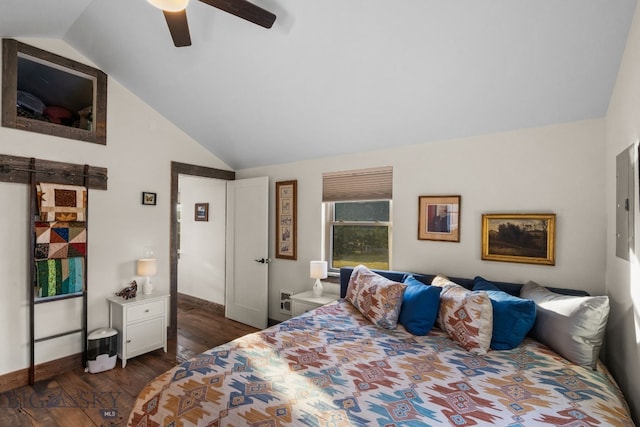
point(361, 184)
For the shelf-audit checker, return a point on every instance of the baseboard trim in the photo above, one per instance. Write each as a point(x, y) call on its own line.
point(43, 371)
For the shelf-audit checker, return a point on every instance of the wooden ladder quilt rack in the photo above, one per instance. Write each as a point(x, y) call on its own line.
point(19, 169)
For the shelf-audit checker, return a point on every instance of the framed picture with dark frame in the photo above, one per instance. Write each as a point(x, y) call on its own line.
point(439, 218)
point(286, 219)
point(148, 198)
point(201, 212)
point(526, 238)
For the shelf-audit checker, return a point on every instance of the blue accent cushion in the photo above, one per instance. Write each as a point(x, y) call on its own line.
point(513, 317)
point(420, 305)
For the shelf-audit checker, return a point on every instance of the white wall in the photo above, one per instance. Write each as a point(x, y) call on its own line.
point(623, 278)
point(552, 169)
point(201, 267)
point(140, 147)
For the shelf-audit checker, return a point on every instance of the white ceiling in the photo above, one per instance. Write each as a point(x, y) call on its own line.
point(334, 77)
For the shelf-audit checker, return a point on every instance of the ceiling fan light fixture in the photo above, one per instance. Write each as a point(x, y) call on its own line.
point(170, 5)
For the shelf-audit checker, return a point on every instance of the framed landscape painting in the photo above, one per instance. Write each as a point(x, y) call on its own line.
point(526, 238)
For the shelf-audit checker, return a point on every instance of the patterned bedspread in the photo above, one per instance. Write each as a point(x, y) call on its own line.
point(333, 367)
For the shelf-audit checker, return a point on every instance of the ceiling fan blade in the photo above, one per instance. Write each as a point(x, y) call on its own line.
point(178, 27)
point(245, 10)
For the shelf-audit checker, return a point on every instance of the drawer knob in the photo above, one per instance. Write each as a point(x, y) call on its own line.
point(147, 310)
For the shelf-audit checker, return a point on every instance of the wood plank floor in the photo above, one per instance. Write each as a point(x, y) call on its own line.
point(79, 399)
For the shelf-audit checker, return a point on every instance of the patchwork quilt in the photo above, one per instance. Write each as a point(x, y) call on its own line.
point(331, 366)
point(59, 202)
point(60, 240)
point(59, 276)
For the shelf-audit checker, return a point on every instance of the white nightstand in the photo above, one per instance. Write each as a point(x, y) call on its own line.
point(305, 301)
point(141, 323)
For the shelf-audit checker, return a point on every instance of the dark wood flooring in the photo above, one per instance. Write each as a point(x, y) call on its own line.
point(79, 399)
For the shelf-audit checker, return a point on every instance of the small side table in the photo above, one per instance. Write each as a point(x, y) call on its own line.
point(141, 323)
point(305, 301)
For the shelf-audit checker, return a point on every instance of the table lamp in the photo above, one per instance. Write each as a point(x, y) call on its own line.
point(147, 267)
point(318, 270)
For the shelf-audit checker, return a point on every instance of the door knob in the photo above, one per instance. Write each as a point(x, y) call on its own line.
point(263, 260)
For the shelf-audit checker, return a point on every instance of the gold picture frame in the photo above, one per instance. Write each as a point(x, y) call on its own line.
point(286, 219)
point(439, 218)
point(525, 238)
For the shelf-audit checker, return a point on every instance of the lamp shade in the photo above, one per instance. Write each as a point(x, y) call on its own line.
point(170, 5)
point(147, 267)
point(318, 269)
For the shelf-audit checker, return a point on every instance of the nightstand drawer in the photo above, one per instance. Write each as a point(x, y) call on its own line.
point(145, 311)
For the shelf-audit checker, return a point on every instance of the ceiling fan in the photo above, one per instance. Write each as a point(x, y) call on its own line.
point(176, 15)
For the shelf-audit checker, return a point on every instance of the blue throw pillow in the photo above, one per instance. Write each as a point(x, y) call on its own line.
point(513, 317)
point(420, 305)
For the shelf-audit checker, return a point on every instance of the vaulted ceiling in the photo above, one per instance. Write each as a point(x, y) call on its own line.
point(335, 77)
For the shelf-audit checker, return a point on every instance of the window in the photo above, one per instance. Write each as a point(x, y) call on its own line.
point(358, 218)
point(359, 233)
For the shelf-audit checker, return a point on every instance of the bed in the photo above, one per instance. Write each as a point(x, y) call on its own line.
point(335, 366)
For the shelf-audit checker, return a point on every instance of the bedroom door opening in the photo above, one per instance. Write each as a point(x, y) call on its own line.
point(177, 170)
point(250, 218)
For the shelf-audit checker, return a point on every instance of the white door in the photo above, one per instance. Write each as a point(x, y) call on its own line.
point(247, 269)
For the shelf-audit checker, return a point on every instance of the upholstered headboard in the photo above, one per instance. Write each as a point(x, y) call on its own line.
point(398, 276)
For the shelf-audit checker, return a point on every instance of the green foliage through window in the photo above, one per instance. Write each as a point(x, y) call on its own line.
point(360, 234)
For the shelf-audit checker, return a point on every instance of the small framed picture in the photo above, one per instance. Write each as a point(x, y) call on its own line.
point(202, 212)
point(148, 198)
point(439, 218)
point(526, 238)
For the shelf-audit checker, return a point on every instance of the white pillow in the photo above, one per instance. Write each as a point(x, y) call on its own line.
point(573, 326)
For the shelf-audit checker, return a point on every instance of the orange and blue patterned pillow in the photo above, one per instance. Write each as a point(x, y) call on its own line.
point(513, 317)
point(466, 316)
point(377, 298)
point(420, 305)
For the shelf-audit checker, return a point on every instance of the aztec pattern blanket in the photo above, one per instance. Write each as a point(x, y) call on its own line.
point(60, 240)
point(331, 366)
point(59, 276)
point(60, 202)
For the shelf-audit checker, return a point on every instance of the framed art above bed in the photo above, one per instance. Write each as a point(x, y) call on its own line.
point(525, 238)
point(439, 218)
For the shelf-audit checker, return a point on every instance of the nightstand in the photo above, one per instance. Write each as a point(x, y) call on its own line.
point(141, 323)
point(305, 301)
